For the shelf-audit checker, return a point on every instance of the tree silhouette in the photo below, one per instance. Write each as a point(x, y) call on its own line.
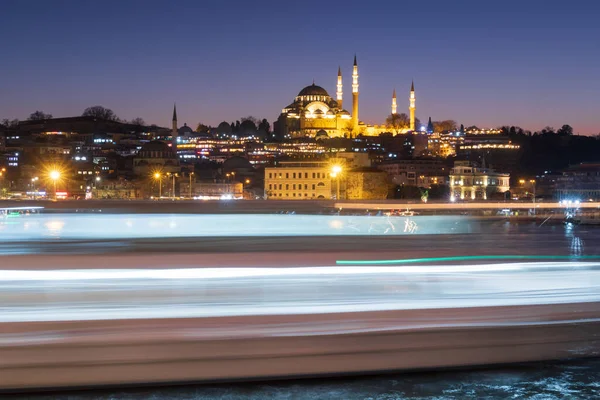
point(565, 130)
point(38, 116)
point(100, 113)
point(264, 126)
point(397, 122)
point(201, 128)
point(138, 121)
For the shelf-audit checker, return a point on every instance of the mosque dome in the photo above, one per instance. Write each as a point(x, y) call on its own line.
point(313, 90)
point(321, 135)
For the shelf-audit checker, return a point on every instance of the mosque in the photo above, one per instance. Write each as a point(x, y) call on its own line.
point(316, 114)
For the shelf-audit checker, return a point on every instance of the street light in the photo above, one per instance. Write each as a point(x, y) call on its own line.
point(55, 176)
point(190, 175)
point(532, 181)
point(173, 191)
point(158, 176)
point(33, 181)
point(336, 170)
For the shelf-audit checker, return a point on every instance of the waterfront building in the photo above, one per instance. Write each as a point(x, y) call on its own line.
point(299, 180)
point(470, 183)
point(421, 172)
point(579, 183)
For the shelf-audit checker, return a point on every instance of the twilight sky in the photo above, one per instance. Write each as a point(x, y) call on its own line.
point(530, 63)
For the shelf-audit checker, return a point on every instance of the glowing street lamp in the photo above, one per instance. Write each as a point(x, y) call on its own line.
point(336, 171)
point(158, 176)
point(55, 176)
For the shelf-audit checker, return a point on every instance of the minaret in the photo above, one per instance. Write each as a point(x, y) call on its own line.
point(355, 97)
point(412, 107)
point(174, 131)
point(394, 107)
point(339, 89)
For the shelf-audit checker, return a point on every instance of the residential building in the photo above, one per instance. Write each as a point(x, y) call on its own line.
point(579, 183)
point(470, 183)
point(299, 180)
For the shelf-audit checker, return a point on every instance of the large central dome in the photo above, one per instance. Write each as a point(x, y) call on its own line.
point(313, 90)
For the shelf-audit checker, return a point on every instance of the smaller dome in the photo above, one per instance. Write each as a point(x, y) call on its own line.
point(344, 112)
point(318, 112)
point(185, 130)
point(321, 134)
point(237, 163)
point(330, 112)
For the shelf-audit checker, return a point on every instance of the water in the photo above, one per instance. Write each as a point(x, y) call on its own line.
point(547, 381)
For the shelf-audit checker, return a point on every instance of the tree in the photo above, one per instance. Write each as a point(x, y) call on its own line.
point(439, 192)
point(201, 128)
point(7, 123)
point(100, 113)
point(254, 120)
point(247, 127)
point(397, 122)
point(264, 126)
point(407, 192)
point(462, 129)
point(447, 125)
point(138, 121)
point(565, 130)
point(38, 116)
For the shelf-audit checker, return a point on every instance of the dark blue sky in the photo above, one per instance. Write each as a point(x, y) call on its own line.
point(530, 62)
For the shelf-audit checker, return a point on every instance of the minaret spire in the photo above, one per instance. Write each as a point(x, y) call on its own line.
point(411, 106)
point(394, 106)
point(355, 97)
point(339, 93)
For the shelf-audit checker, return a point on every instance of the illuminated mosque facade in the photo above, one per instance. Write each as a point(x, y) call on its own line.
point(316, 114)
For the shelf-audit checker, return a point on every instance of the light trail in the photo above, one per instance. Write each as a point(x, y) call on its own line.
point(131, 226)
point(211, 292)
point(467, 258)
point(464, 206)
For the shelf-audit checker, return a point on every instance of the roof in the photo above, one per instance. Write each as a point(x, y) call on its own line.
point(313, 90)
point(156, 145)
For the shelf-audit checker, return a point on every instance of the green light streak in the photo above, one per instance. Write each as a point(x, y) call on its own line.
point(462, 258)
